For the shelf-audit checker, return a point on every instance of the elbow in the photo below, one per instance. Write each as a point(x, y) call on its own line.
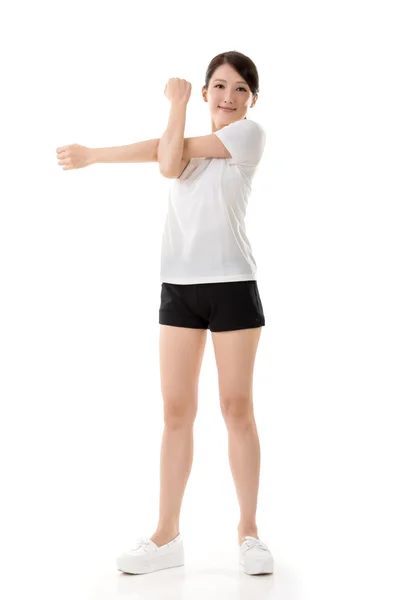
point(168, 171)
point(164, 171)
point(170, 165)
point(164, 162)
point(163, 165)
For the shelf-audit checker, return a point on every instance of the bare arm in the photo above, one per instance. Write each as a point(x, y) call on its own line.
point(132, 153)
point(76, 156)
point(170, 148)
point(167, 150)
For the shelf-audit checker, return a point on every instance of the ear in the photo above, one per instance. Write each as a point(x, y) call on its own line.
point(204, 93)
point(254, 100)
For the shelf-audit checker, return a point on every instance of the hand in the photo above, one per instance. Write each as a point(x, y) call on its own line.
point(178, 90)
point(75, 156)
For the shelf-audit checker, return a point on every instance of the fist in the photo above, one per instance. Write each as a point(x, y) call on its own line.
point(74, 156)
point(178, 90)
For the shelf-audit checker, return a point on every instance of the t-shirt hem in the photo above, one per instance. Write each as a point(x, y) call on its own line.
point(216, 279)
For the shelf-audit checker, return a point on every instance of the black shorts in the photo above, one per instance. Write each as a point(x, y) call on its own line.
point(216, 306)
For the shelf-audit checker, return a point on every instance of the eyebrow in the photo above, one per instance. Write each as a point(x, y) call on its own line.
point(224, 80)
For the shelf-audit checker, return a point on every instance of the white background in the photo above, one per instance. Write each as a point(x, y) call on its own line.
point(81, 407)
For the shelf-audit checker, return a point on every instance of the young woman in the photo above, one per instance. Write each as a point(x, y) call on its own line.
point(208, 281)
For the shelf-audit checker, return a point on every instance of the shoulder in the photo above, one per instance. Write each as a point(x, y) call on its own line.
point(244, 130)
point(245, 139)
point(246, 125)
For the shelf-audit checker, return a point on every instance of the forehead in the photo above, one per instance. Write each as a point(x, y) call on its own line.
point(228, 73)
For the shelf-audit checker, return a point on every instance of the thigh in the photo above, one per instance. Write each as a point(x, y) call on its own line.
point(235, 353)
point(179, 306)
point(181, 355)
point(235, 305)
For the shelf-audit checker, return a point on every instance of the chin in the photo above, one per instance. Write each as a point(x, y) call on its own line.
point(226, 117)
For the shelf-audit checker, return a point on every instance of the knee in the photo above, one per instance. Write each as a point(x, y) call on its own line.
point(237, 410)
point(179, 413)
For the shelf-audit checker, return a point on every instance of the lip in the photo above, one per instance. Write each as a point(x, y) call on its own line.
point(226, 109)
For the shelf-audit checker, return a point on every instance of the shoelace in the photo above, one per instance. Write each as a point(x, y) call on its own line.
point(141, 542)
point(258, 543)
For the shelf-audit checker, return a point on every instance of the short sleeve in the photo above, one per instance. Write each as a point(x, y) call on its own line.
point(245, 141)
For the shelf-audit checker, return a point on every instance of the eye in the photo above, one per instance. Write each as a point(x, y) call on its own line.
point(239, 88)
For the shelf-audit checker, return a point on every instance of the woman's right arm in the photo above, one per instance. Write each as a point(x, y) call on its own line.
point(76, 156)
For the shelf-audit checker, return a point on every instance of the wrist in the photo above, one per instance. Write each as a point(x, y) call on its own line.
point(179, 104)
point(93, 156)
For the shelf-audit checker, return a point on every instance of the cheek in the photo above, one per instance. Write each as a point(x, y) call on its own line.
point(214, 97)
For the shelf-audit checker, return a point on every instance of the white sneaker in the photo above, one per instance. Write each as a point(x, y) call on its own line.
point(146, 556)
point(255, 557)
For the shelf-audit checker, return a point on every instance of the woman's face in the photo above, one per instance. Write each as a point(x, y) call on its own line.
point(228, 89)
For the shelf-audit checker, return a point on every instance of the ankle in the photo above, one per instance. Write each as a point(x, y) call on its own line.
point(244, 530)
point(164, 536)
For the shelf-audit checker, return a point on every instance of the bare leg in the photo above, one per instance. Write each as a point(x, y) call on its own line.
point(235, 353)
point(181, 353)
point(244, 458)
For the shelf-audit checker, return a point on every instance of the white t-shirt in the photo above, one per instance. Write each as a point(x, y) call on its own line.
point(204, 239)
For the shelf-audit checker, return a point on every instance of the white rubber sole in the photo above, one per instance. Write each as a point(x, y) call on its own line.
point(140, 565)
point(259, 567)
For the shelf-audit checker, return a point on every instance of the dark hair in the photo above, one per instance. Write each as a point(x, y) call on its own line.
point(238, 61)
